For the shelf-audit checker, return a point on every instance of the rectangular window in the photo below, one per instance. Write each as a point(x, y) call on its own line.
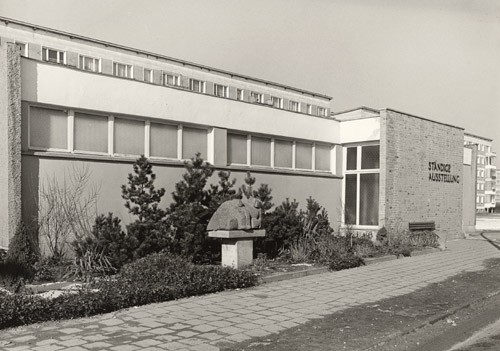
point(350, 199)
point(48, 128)
point(261, 151)
point(368, 199)
point(221, 91)
point(294, 106)
point(236, 149)
point(194, 140)
point(257, 97)
point(172, 79)
point(239, 94)
point(370, 157)
point(90, 133)
point(303, 155)
point(351, 158)
point(148, 75)
point(129, 137)
point(322, 157)
point(362, 185)
point(197, 85)
point(163, 140)
point(23, 48)
point(89, 63)
point(52, 55)
point(276, 102)
point(122, 70)
point(283, 153)
point(309, 109)
point(321, 111)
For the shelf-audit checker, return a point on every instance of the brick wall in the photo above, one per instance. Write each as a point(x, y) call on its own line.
point(407, 145)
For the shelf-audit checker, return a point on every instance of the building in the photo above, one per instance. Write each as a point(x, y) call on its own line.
point(486, 172)
point(497, 196)
point(68, 101)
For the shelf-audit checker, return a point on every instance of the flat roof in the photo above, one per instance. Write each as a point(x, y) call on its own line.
point(377, 111)
point(425, 119)
point(478, 136)
point(168, 58)
point(355, 109)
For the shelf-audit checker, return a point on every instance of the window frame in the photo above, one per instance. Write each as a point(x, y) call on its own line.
point(179, 140)
point(26, 50)
point(129, 69)
point(247, 150)
point(150, 75)
point(271, 151)
point(46, 49)
point(293, 167)
point(295, 155)
point(294, 106)
point(225, 91)
point(97, 63)
point(331, 149)
point(202, 85)
point(240, 94)
point(358, 171)
point(72, 132)
point(258, 97)
point(277, 102)
point(176, 79)
point(273, 141)
point(145, 146)
point(322, 111)
point(111, 134)
point(39, 148)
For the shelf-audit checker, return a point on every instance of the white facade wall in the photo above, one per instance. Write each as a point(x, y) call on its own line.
point(139, 60)
point(60, 86)
point(360, 130)
point(486, 172)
